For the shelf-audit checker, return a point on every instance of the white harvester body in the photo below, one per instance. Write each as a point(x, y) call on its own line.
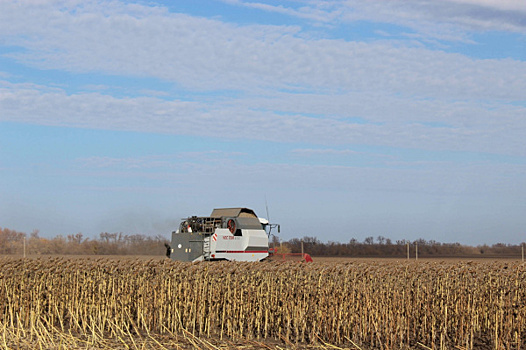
point(227, 234)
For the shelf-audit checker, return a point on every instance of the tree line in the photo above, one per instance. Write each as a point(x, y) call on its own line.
point(384, 247)
point(13, 242)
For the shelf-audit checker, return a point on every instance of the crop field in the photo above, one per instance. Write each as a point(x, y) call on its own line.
point(94, 303)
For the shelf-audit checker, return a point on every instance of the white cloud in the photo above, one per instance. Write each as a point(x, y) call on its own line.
point(131, 39)
point(96, 87)
point(124, 163)
point(148, 92)
point(211, 55)
point(286, 87)
point(469, 126)
point(162, 162)
point(308, 152)
point(313, 11)
point(450, 20)
point(502, 5)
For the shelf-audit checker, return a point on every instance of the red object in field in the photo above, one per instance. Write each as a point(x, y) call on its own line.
point(288, 256)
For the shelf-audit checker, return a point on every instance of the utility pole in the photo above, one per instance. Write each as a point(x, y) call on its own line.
point(416, 250)
point(407, 250)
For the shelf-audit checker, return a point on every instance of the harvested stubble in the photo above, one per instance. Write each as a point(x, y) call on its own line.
point(386, 305)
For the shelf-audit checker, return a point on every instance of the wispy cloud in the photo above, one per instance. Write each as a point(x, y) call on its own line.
point(449, 20)
point(501, 5)
point(323, 151)
point(124, 163)
point(96, 87)
point(212, 55)
point(311, 10)
point(164, 162)
point(496, 127)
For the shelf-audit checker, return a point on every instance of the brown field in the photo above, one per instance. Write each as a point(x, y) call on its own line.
point(140, 303)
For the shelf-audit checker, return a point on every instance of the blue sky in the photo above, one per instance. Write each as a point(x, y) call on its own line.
point(405, 119)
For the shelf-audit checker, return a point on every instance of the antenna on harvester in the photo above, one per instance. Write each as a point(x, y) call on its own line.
point(270, 225)
point(266, 207)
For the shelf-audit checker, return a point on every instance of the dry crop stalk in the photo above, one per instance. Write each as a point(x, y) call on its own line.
point(386, 305)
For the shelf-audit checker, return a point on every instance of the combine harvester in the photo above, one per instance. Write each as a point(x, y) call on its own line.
point(235, 234)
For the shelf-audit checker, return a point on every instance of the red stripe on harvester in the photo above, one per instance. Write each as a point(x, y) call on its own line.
point(241, 251)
